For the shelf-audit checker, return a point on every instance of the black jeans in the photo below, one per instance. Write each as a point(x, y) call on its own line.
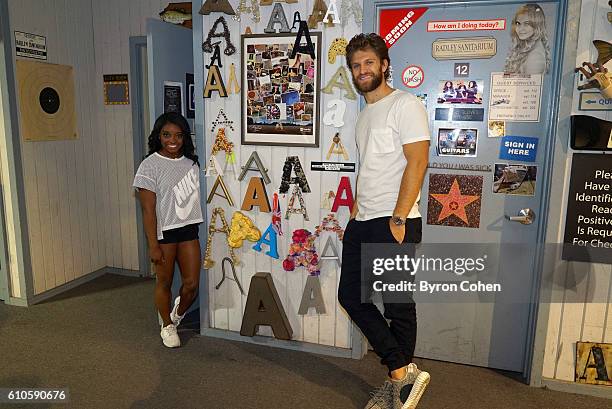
point(394, 343)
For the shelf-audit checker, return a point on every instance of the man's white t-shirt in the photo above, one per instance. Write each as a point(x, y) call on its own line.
point(382, 128)
point(176, 184)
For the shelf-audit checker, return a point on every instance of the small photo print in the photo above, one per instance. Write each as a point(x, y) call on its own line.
point(497, 129)
point(457, 142)
point(460, 92)
point(423, 99)
point(513, 179)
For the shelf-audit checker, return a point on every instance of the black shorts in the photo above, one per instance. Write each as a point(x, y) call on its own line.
point(185, 233)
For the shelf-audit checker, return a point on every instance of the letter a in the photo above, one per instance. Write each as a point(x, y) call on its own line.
point(332, 9)
point(304, 49)
point(344, 186)
point(269, 238)
point(312, 296)
point(263, 307)
point(293, 162)
point(207, 45)
point(214, 82)
point(340, 80)
point(216, 57)
point(598, 363)
point(335, 115)
point(256, 196)
point(277, 16)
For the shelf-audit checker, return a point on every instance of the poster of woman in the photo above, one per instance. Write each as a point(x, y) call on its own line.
point(529, 51)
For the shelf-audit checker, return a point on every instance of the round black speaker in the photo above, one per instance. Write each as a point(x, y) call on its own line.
point(49, 100)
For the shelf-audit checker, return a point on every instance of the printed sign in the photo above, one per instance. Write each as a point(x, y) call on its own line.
point(593, 363)
point(460, 166)
point(394, 23)
point(464, 48)
point(332, 167)
point(588, 221)
point(460, 114)
point(515, 97)
point(519, 148)
point(413, 76)
point(460, 92)
point(30, 45)
point(457, 142)
point(467, 25)
point(594, 101)
point(462, 69)
point(173, 97)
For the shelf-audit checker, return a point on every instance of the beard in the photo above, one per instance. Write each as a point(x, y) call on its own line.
point(374, 83)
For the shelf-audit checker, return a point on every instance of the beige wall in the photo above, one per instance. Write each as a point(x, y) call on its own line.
point(80, 205)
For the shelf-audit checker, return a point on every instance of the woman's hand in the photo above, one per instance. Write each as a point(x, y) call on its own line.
point(157, 255)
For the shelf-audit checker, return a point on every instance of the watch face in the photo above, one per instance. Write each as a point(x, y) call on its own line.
point(398, 221)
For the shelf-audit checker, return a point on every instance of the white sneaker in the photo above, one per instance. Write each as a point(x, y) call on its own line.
point(174, 317)
point(170, 336)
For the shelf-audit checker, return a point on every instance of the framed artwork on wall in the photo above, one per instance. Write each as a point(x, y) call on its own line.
point(280, 98)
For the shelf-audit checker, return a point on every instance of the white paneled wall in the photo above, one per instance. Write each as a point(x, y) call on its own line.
point(226, 304)
point(577, 318)
point(80, 204)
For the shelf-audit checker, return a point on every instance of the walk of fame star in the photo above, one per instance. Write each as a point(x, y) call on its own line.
point(453, 193)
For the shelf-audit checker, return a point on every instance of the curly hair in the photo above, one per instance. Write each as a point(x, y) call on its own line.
point(520, 49)
point(179, 120)
point(368, 41)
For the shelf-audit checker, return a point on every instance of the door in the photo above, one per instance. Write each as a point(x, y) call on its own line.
point(4, 285)
point(446, 53)
point(139, 96)
point(169, 59)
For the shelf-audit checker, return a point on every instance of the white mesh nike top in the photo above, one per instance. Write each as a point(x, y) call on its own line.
point(176, 183)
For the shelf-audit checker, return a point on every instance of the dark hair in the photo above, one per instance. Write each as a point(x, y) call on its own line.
point(180, 121)
point(368, 41)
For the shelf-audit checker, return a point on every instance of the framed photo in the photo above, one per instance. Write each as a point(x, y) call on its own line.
point(173, 97)
point(457, 142)
point(280, 97)
point(462, 91)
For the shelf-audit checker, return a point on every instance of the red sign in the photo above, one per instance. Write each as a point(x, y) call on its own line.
point(393, 23)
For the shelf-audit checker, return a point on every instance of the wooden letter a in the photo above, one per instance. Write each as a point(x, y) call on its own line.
point(344, 186)
point(263, 307)
point(256, 196)
point(214, 82)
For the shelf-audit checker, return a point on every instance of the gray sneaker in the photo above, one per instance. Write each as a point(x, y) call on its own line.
point(408, 391)
point(381, 397)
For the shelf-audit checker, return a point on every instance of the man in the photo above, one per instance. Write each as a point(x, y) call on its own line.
point(392, 136)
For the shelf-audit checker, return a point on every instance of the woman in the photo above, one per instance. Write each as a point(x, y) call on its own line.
point(472, 90)
point(168, 182)
point(449, 90)
point(530, 50)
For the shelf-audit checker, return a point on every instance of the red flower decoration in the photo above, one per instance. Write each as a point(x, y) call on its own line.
point(288, 264)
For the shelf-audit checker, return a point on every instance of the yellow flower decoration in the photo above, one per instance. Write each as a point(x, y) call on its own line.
point(242, 228)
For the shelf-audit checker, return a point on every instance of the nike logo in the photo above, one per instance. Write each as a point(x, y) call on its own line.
point(185, 211)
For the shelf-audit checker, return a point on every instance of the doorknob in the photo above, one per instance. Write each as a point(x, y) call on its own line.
point(525, 216)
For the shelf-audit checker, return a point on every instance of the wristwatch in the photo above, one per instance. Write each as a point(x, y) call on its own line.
point(398, 221)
